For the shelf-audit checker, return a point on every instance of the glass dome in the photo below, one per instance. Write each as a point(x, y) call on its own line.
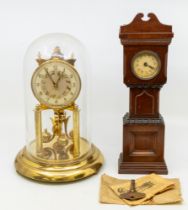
point(56, 77)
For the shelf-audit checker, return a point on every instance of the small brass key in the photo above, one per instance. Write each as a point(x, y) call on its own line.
point(132, 194)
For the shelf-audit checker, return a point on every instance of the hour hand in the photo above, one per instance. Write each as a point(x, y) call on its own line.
point(146, 64)
point(50, 77)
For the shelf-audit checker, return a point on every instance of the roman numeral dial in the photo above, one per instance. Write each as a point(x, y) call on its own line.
point(56, 84)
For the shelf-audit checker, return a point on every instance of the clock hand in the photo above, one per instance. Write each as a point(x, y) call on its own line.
point(57, 82)
point(60, 76)
point(50, 77)
point(146, 64)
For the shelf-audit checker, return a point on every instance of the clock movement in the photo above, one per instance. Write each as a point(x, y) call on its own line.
point(58, 149)
point(145, 44)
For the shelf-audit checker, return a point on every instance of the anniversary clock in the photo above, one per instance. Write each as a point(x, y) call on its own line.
point(145, 44)
point(58, 149)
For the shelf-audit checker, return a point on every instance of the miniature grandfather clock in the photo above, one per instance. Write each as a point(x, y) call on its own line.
point(145, 45)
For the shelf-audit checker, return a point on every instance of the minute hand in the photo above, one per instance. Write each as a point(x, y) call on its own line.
point(60, 76)
point(57, 82)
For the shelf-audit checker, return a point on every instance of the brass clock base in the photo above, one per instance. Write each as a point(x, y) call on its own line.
point(85, 166)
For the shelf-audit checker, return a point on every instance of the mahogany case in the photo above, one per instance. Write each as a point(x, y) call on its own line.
point(143, 126)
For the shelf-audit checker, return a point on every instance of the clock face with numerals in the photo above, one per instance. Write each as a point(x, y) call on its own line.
point(56, 83)
point(146, 65)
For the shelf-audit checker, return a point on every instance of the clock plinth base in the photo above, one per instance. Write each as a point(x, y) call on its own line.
point(86, 166)
point(143, 146)
point(141, 167)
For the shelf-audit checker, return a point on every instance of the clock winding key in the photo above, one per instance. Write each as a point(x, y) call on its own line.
point(132, 194)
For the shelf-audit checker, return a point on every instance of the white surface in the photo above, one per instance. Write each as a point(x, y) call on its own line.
point(96, 24)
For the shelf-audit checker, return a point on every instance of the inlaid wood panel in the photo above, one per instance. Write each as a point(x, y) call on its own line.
point(144, 102)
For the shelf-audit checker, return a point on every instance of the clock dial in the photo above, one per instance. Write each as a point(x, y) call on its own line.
point(56, 84)
point(146, 65)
